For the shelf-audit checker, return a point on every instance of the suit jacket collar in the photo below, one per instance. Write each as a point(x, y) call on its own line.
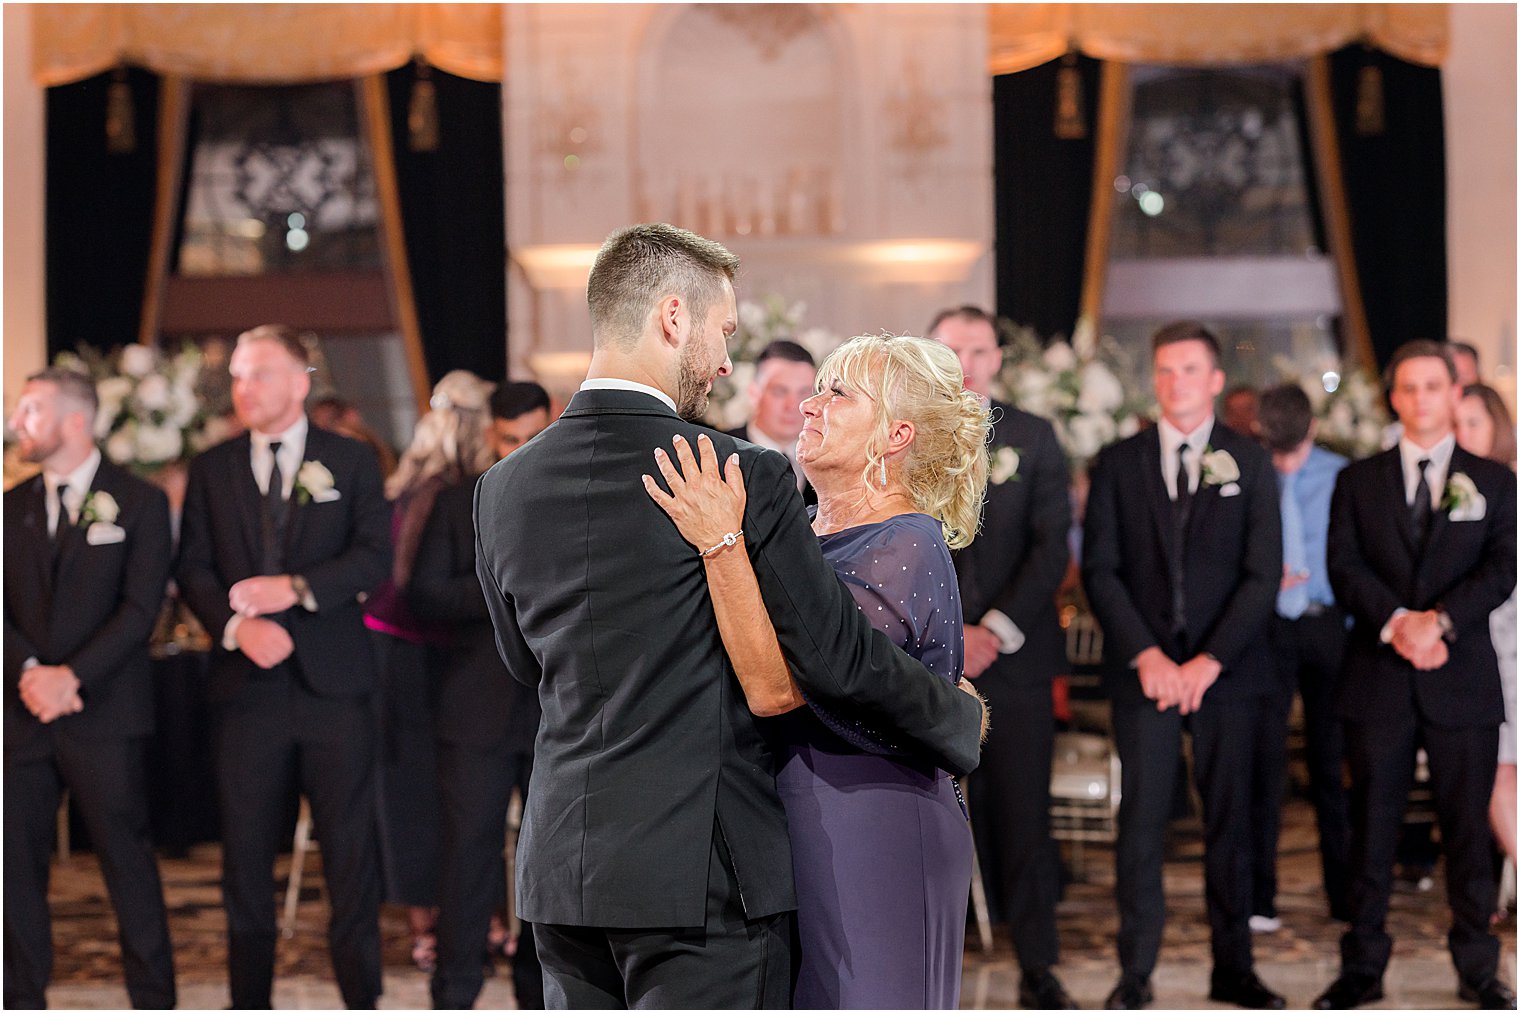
point(1155, 489)
point(616, 402)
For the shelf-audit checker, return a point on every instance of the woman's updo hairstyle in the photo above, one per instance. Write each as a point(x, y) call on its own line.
point(918, 380)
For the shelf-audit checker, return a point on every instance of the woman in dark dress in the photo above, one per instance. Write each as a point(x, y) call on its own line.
point(881, 849)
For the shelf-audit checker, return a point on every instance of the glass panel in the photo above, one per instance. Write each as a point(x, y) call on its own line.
point(279, 180)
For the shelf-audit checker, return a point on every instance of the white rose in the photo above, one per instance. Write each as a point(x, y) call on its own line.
point(1220, 468)
point(1005, 465)
point(1031, 391)
point(112, 394)
point(156, 444)
point(314, 477)
point(1060, 357)
point(153, 393)
point(137, 360)
point(183, 405)
point(103, 505)
point(1129, 426)
point(1101, 390)
point(122, 444)
point(1088, 434)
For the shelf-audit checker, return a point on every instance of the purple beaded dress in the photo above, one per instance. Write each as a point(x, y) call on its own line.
point(880, 844)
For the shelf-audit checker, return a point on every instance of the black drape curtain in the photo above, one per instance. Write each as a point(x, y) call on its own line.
point(1043, 197)
point(98, 213)
point(1395, 184)
point(453, 213)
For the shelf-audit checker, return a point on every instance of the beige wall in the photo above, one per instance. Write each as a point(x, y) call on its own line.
point(1479, 84)
point(25, 342)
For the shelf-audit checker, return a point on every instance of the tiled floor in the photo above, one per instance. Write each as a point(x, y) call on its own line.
point(1298, 961)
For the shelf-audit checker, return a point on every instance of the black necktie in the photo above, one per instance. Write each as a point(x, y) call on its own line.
point(1181, 506)
point(63, 523)
point(1184, 489)
point(272, 514)
point(1420, 511)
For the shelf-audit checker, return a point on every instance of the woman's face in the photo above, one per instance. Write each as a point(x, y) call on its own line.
point(1475, 427)
point(838, 424)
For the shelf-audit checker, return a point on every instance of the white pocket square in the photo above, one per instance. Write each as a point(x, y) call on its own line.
point(1475, 510)
point(101, 533)
point(1229, 489)
point(326, 496)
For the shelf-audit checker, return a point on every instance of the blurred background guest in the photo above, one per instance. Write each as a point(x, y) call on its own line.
point(784, 377)
point(1484, 428)
point(451, 443)
point(486, 722)
point(337, 415)
point(1241, 404)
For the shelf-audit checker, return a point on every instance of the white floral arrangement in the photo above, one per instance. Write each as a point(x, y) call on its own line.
point(760, 323)
point(152, 412)
point(1074, 384)
point(1348, 404)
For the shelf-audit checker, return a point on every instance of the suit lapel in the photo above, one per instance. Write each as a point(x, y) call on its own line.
point(1161, 505)
point(39, 546)
point(295, 511)
point(245, 492)
point(1440, 521)
point(1393, 482)
point(73, 538)
point(1207, 496)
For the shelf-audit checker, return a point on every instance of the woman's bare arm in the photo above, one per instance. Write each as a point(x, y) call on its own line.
point(705, 508)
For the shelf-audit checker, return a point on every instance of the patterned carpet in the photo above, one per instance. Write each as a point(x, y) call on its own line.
point(1299, 959)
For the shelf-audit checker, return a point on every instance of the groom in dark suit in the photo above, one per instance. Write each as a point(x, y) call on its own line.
point(1182, 561)
point(654, 862)
point(86, 564)
point(1421, 550)
point(1014, 649)
point(285, 531)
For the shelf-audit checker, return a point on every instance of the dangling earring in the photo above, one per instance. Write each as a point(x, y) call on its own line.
point(883, 472)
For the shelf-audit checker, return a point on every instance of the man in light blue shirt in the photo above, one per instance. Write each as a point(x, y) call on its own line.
point(1308, 638)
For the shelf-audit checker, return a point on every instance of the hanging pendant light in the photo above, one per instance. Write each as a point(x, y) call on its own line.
point(121, 125)
point(1071, 124)
point(422, 112)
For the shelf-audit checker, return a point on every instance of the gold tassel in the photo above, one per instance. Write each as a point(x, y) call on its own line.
point(1370, 119)
point(1071, 125)
point(121, 125)
point(422, 113)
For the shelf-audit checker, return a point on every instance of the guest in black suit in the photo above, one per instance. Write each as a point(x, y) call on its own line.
point(285, 531)
point(1182, 561)
point(87, 551)
point(1014, 649)
point(784, 377)
point(485, 724)
point(1422, 549)
point(654, 863)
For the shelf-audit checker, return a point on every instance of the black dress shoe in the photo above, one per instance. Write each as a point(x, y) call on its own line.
point(1350, 991)
point(1493, 994)
point(1130, 993)
point(1243, 988)
point(1042, 990)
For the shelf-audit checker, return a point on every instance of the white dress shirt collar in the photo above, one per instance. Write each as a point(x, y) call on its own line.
point(78, 481)
point(292, 451)
point(1171, 439)
point(618, 383)
point(1439, 455)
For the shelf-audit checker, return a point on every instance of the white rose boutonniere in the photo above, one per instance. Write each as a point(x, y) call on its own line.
point(1219, 468)
point(1462, 500)
point(314, 484)
point(1005, 466)
point(99, 507)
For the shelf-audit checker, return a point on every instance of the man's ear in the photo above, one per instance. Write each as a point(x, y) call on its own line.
point(673, 320)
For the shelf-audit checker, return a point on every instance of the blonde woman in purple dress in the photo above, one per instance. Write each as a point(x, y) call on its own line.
point(881, 847)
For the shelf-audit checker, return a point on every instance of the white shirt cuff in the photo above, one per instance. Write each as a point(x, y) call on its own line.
point(1386, 636)
point(229, 633)
point(1010, 637)
point(31, 662)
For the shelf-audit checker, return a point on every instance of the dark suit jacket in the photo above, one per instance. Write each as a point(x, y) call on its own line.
point(1020, 555)
point(478, 702)
point(95, 614)
point(1466, 567)
point(646, 738)
point(342, 548)
point(809, 494)
point(1232, 563)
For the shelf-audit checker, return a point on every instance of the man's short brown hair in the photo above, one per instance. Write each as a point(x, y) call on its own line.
point(1283, 417)
point(72, 386)
point(1187, 330)
point(968, 312)
point(283, 335)
point(641, 264)
point(1420, 348)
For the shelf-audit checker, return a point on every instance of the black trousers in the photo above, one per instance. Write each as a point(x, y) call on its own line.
point(475, 785)
point(1462, 763)
point(105, 779)
point(1308, 653)
point(274, 738)
point(731, 962)
point(1010, 818)
point(1149, 754)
